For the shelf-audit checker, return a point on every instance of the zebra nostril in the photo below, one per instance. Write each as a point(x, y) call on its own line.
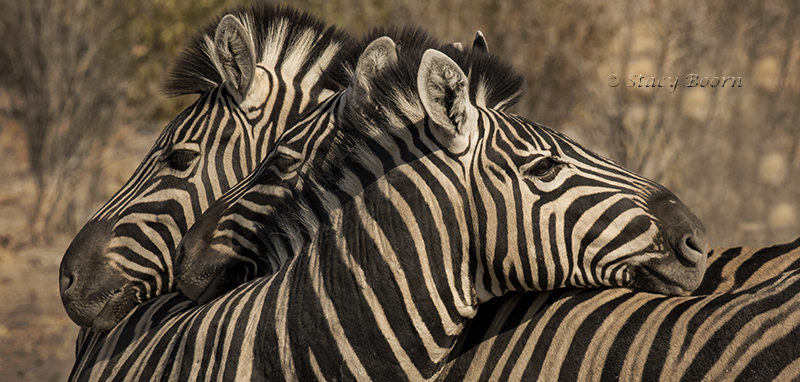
point(692, 250)
point(691, 243)
point(65, 282)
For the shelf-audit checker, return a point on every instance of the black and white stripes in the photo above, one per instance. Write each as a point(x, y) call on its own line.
point(742, 323)
point(124, 254)
point(404, 207)
point(365, 243)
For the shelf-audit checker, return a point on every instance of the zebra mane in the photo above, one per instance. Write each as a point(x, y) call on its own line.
point(393, 98)
point(493, 83)
point(393, 95)
point(275, 30)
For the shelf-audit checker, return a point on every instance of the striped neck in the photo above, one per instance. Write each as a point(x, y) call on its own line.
point(385, 300)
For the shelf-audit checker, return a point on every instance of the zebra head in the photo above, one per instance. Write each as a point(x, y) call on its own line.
point(255, 71)
point(538, 211)
point(548, 213)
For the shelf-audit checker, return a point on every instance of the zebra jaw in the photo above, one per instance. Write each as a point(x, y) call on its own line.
point(105, 311)
point(659, 274)
point(224, 275)
point(205, 278)
point(116, 309)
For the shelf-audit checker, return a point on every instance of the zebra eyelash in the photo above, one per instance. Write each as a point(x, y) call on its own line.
point(544, 168)
point(180, 159)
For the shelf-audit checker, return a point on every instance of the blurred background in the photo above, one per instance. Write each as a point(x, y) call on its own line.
point(80, 105)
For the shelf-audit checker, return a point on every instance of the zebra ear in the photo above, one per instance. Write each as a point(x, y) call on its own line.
point(444, 92)
point(377, 55)
point(480, 43)
point(234, 56)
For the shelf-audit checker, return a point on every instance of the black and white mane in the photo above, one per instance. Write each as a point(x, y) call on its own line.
point(273, 29)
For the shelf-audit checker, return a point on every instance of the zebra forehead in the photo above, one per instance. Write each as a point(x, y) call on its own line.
point(273, 29)
point(520, 134)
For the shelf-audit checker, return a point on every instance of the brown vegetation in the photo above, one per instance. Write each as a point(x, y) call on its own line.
point(80, 80)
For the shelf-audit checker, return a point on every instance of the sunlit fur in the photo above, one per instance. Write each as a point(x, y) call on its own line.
point(124, 254)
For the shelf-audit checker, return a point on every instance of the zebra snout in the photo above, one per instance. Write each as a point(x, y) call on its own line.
point(681, 266)
point(90, 282)
point(680, 227)
point(191, 275)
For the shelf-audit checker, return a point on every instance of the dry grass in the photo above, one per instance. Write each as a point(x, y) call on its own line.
point(37, 339)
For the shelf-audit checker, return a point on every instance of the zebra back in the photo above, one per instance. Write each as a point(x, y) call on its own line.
point(739, 324)
point(501, 346)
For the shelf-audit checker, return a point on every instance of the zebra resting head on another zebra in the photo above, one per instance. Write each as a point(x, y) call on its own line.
point(415, 143)
point(521, 206)
point(255, 71)
point(405, 217)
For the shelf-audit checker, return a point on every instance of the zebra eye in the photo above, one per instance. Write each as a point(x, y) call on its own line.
point(180, 160)
point(285, 160)
point(286, 163)
point(544, 168)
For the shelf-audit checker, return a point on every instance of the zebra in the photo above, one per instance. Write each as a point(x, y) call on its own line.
point(256, 70)
point(361, 301)
point(742, 323)
point(736, 281)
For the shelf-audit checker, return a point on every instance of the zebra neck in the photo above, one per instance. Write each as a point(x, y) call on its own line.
point(367, 295)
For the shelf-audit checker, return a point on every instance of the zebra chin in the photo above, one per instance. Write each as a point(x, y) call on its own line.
point(215, 283)
point(204, 278)
point(649, 280)
point(105, 312)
